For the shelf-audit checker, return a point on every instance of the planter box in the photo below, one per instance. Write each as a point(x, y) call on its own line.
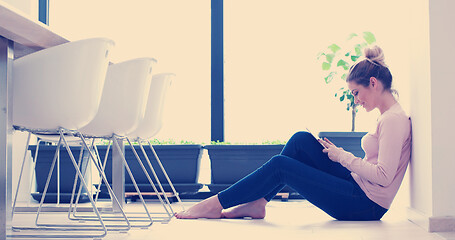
point(67, 173)
point(349, 141)
point(181, 162)
point(230, 163)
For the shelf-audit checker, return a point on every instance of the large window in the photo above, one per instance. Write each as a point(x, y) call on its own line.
point(273, 83)
point(175, 32)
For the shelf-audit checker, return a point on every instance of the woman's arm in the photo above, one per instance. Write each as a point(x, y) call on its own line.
point(393, 131)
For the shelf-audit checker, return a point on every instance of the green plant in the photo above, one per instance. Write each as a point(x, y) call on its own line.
point(156, 142)
point(336, 61)
point(171, 142)
point(265, 142)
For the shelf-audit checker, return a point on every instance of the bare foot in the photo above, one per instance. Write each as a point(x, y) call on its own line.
point(208, 208)
point(255, 210)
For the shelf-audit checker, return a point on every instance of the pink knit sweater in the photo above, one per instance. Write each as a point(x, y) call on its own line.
point(387, 154)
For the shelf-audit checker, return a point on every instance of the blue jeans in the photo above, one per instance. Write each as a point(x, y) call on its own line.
point(303, 166)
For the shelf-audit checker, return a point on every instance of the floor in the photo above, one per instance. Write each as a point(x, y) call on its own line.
point(295, 219)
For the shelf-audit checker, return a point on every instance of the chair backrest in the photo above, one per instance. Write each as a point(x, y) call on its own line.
point(60, 86)
point(152, 122)
point(124, 98)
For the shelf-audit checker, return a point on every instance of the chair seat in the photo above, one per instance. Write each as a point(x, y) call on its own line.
point(122, 105)
point(48, 84)
point(152, 121)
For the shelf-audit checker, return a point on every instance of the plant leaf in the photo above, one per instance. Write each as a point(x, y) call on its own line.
point(334, 48)
point(352, 35)
point(354, 58)
point(342, 98)
point(329, 57)
point(329, 77)
point(358, 50)
point(344, 64)
point(326, 66)
point(369, 37)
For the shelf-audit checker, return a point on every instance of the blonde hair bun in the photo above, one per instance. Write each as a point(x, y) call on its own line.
point(375, 55)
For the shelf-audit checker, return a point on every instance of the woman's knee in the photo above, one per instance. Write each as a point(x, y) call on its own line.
point(281, 162)
point(301, 136)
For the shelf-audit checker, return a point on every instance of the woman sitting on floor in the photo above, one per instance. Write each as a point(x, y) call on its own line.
point(342, 185)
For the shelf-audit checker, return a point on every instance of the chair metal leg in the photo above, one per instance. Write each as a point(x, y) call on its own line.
point(78, 173)
point(33, 164)
point(64, 227)
point(32, 179)
point(167, 177)
point(73, 209)
point(103, 166)
point(156, 177)
point(115, 139)
point(20, 174)
point(141, 219)
point(169, 214)
point(58, 176)
point(48, 179)
point(72, 213)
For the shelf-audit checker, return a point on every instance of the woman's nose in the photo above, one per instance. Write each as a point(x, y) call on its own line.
point(356, 100)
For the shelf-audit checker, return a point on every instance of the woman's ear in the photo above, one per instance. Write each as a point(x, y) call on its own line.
point(373, 82)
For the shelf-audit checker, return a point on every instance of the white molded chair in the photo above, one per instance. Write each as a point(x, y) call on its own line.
point(60, 86)
point(153, 119)
point(152, 123)
point(58, 90)
point(122, 105)
point(122, 108)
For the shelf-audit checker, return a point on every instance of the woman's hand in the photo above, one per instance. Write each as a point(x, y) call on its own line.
point(333, 152)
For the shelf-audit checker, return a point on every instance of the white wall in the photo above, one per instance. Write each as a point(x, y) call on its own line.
point(442, 52)
point(432, 113)
point(420, 168)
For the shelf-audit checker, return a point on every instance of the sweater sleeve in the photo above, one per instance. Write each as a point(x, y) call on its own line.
point(382, 168)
